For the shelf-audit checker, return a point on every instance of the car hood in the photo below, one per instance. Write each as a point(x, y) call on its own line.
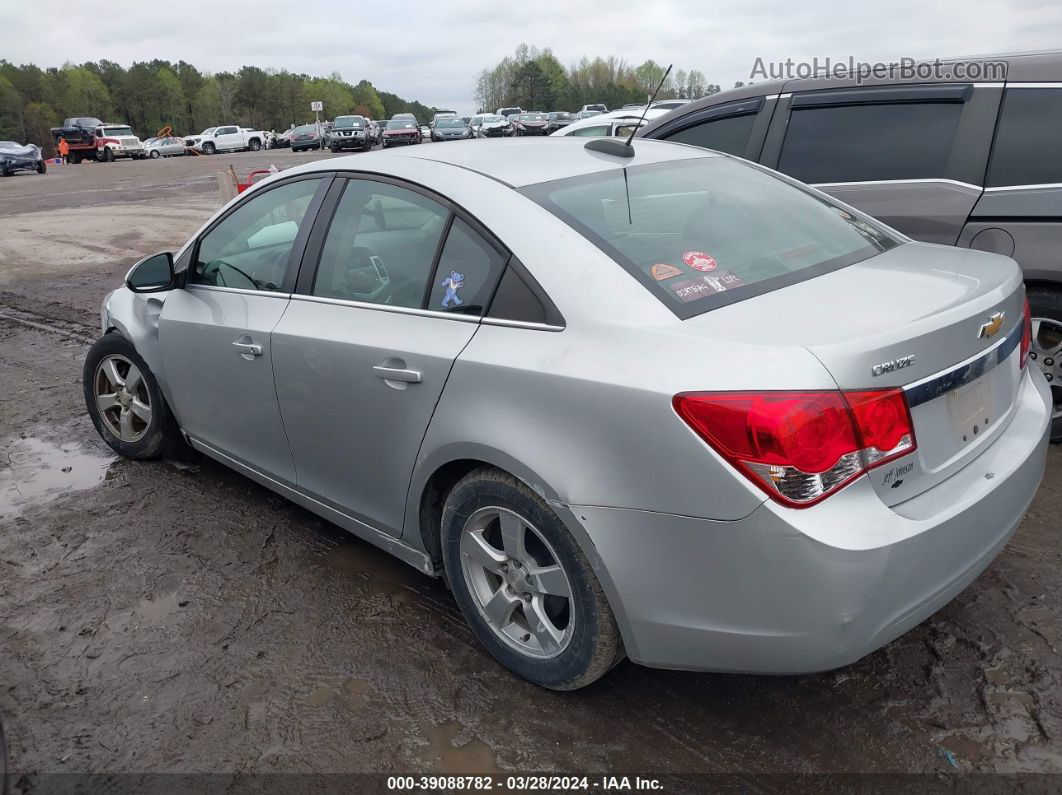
point(27, 150)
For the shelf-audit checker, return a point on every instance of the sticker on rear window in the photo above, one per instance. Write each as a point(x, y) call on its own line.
point(454, 282)
point(662, 271)
point(700, 261)
point(691, 289)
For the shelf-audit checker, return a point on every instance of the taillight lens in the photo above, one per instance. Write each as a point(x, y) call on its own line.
point(801, 447)
point(1026, 334)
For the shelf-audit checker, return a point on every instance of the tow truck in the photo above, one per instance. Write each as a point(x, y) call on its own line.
point(91, 139)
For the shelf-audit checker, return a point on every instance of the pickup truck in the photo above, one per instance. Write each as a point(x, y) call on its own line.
point(227, 138)
point(91, 139)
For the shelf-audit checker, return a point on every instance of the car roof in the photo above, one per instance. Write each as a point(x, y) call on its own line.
point(629, 114)
point(521, 161)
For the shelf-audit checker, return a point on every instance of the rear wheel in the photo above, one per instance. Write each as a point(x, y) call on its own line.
point(524, 585)
point(1046, 349)
point(124, 400)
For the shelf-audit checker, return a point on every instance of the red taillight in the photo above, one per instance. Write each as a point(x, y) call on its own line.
point(801, 447)
point(1026, 334)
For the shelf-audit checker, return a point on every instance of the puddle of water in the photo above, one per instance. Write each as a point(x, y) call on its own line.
point(33, 471)
point(152, 612)
point(443, 756)
point(320, 696)
point(360, 558)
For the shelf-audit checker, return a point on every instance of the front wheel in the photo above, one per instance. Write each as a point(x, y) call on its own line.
point(255, 145)
point(1046, 349)
point(209, 148)
point(124, 401)
point(154, 154)
point(524, 585)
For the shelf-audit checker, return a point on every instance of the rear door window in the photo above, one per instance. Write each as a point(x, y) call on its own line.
point(1028, 145)
point(710, 231)
point(729, 134)
point(870, 142)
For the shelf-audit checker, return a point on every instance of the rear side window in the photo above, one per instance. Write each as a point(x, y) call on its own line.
point(467, 272)
point(710, 231)
point(861, 143)
point(1028, 146)
point(729, 134)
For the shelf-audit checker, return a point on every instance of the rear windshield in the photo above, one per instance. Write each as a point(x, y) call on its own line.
point(706, 232)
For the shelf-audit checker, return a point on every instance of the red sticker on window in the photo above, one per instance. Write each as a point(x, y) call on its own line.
point(700, 261)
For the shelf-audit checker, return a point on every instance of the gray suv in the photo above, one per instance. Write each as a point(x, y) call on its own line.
point(973, 163)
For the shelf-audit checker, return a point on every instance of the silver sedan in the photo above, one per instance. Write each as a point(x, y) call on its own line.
point(170, 146)
point(662, 404)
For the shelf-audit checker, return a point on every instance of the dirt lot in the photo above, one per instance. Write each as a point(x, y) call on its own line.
point(153, 619)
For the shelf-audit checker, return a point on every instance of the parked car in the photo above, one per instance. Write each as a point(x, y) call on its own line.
point(18, 157)
point(586, 114)
point(307, 136)
point(401, 131)
point(490, 125)
point(808, 432)
point(557, 120)
point(283, 139)
point(616, 122)
point(170, 146)
point(443, 114)
point(531, 124)
point(668, 104)
point(404, 117)
point(966, 163)
point(228, 138)
point(595, 108)
point(450, 128)
point(350, 132)
point(425, 132)
point(508, 112)
point(375, 131)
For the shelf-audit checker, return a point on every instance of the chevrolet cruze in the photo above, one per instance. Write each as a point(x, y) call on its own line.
point(671, 406)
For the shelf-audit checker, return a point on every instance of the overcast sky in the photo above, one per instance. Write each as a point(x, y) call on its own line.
point(431, 50)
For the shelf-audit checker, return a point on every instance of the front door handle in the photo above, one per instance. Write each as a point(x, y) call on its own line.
point(248, 350)
point(397, 374)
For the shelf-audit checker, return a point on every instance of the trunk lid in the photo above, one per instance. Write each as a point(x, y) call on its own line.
point(911, 318)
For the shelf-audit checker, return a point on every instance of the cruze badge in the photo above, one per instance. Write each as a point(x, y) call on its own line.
point(895, 364)
point(992, 327)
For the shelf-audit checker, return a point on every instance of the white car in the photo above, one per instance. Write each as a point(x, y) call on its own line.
point(170, 146)
point(229, 138)
point(617, 122)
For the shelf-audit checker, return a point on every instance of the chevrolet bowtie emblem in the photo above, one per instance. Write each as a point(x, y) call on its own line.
point(992, 327)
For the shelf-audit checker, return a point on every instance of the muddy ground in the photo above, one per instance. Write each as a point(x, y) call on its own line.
point(160, 620)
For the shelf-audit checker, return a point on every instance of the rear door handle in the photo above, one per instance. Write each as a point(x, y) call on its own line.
point(247, 349)
point(397, 374)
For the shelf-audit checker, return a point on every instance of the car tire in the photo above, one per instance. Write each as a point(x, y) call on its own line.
point(42, 167)
point(154, 154)
point(255, 145)
point(209, 148)
point(582, 641)
point(122, 425)
point(107, 156)
point(1045, 306)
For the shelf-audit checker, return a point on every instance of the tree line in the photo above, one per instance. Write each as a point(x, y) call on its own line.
point(534, 79)
point(152, 95)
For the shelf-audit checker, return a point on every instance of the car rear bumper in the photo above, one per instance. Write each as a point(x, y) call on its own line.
point(795, 591)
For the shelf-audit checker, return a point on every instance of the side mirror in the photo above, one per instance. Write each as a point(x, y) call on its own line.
point(152, 274)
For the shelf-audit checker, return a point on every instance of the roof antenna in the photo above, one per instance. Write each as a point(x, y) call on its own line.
point(610, 146)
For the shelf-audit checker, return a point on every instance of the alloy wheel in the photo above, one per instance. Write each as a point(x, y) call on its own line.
point(1046, 352)
point(122, 398)
point(517, 582)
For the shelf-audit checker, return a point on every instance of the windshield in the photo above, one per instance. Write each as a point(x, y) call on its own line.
point(706, 232)
point(117, 131)
point(532, 117)
point(401, 125)
point(449, 123)
point(347, 122)
point(208, 131)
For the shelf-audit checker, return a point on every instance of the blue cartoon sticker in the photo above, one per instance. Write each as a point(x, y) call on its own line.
point(454, 282)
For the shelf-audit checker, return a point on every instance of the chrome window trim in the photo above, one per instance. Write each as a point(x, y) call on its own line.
point(1040, 186)
point(1034, 85)
point(525, 324)
point(237, 290)
point(398, 310)
point(920, 181)
point(933, 386)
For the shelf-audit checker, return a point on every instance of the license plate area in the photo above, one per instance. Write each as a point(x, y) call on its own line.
point(969, 408)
